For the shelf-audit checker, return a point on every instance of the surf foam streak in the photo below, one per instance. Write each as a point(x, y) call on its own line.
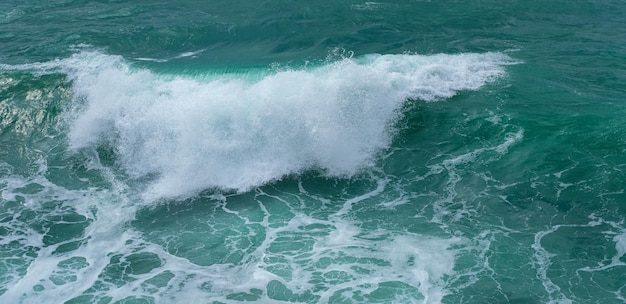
point(235, 133)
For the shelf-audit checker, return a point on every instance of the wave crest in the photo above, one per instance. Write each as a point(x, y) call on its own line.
point(236, 133)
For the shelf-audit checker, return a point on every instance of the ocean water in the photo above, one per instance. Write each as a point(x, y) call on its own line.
point(355, 151)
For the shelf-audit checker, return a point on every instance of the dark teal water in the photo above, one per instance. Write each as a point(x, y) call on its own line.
point(312, 151)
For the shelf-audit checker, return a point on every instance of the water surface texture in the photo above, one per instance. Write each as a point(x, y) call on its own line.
point(312, 151)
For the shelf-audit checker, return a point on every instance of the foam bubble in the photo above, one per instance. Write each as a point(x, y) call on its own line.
point(236, 133)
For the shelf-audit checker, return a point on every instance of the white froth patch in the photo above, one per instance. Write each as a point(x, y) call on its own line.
point(237, 133)
point(426, 262)
point(52, 275)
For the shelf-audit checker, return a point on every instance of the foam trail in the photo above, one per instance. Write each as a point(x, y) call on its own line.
point(47, 277)
point(237, 133)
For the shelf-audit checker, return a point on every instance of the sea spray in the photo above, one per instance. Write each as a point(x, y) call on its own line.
point(188, 134)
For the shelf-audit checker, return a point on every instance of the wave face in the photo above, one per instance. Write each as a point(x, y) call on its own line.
point(230, 132)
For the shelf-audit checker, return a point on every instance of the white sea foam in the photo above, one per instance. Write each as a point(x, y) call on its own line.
point(326, 258)
point(37, 277)
point(235, 133)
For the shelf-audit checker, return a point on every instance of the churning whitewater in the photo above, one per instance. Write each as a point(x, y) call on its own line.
point(228, 132)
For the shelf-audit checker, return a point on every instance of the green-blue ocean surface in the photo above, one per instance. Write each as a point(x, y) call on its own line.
point(297, 151)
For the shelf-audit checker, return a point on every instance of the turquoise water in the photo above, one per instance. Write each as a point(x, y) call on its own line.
point(312, 151)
